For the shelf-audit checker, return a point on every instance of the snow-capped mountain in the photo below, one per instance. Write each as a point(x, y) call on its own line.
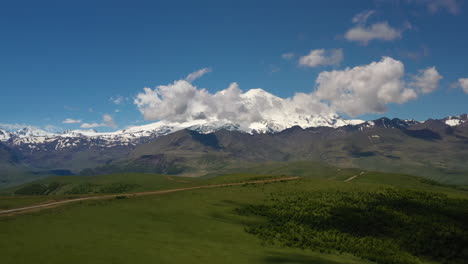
point(456, 120)
point(36, 139)
point(4, 135)
point(388, 123)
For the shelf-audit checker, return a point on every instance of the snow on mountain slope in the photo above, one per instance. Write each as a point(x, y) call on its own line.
point(30, 138)
point(456, 120)
point(273, 126)
point(4, 135)
point(36, 139)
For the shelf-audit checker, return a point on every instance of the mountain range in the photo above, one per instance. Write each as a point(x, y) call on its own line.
point(435, 148)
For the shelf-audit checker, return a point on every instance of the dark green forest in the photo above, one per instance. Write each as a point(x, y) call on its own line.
point(390, 226)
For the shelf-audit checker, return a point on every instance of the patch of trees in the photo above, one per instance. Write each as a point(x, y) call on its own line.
point(86, 188)
point(82, 188)
point(390, 226)
point(38, 189)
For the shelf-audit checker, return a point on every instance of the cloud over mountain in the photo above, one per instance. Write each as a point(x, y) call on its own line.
point(352, 91)
point(181, 101)
point(107, 121)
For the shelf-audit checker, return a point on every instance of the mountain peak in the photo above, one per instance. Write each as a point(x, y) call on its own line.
point(32, 132)
point(258, 92)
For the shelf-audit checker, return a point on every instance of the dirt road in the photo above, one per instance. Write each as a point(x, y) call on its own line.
point(354, 177)
point(55, 204)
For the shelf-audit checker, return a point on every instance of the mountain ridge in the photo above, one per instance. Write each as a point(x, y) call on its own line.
point(433, 148)
point(36, 139)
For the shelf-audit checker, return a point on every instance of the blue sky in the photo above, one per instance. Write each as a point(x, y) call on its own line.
point(72, 60)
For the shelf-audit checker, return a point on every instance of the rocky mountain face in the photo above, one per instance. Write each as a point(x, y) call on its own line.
point(433, 147)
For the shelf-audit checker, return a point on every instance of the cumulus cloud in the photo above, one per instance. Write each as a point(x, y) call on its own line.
point(370, 88)
point(71, 121)
point(427, 80)
point(322, 57)
point(364, 33)
point(107, 121)
point(463, 83)
point(198, 74)
point(288, 56)
point(353, 91)
point(182, 102)
point(378, 31)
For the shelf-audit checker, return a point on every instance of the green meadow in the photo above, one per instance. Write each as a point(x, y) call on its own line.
point(227, 224)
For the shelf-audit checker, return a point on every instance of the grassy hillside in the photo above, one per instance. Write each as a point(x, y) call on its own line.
point(437, 155)
point(12, 171)
point(208, 225)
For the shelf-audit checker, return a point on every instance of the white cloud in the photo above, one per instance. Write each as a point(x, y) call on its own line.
point(107, 121)
point(370, 88)
point(182, 102)
point(322, 57)
point(118, 99)
point(288, 56)
point(198, 74)
point(434, 6)
point(362, 17)
point(13, 127)
point(16, 127)
point(353, 91)
point(427, 80)
point(92, 125)
point(463, 83)
point(452, 6)
point(378, 31)
point(53, 129)
point(71, 121)
point(364, 33)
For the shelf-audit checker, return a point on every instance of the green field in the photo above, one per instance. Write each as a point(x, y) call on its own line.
point(196, 226)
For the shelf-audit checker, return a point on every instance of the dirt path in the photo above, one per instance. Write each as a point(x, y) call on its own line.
point(354, 177)
point(55, 204)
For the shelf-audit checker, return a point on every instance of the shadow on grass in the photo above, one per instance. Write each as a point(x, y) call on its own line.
point(297, 259)
point(231, 216)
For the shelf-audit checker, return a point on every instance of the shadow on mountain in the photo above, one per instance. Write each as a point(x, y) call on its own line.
point(209, 140)
point(425, 134)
